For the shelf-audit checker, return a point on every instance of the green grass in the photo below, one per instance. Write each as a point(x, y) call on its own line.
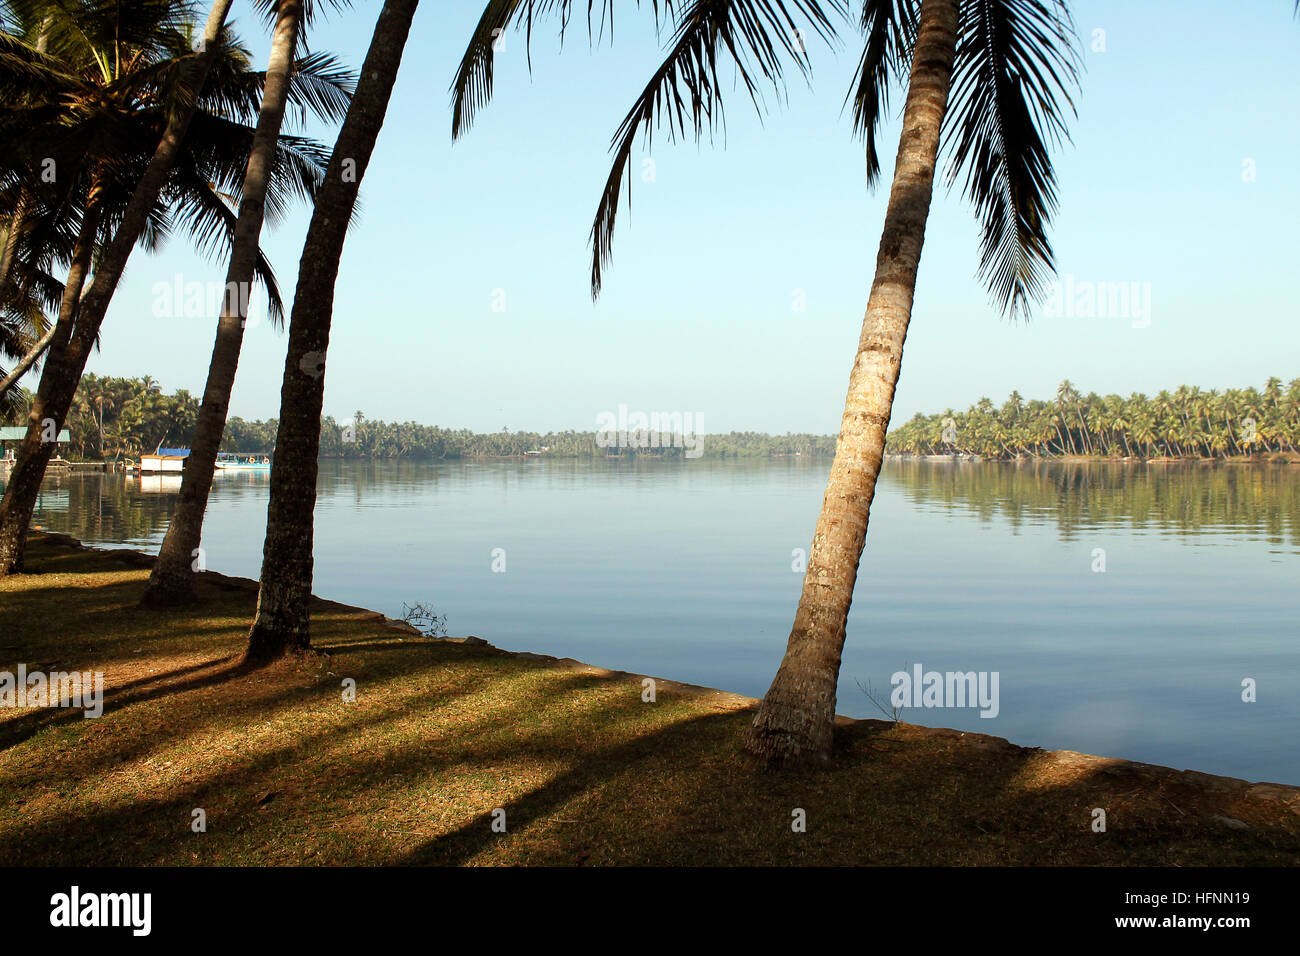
point(442, 734)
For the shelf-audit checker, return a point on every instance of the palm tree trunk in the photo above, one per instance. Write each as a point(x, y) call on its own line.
point(10, 253)
point(67, 359)
point(34, 453)
point(796, 718)
point(29, 359)
point(1060, 437)
point(283, 614)
point(172, 580)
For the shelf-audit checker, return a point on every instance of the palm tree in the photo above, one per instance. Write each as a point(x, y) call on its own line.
point(172, 580)
point(67, 360)
point(283, 613)
point(155, 91)
point(1008, 64)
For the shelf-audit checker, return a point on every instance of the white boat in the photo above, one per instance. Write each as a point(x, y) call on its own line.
point(230, 462)
point(164, 461)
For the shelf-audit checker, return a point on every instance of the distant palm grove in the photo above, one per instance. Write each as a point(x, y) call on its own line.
point(119, 418)
point(1185, 423)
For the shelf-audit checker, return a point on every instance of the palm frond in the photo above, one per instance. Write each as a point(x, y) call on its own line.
point(322, 86)
point(890, 30)
point(1017, 64)
point(471, 88)
point(685, 92)
point(32, 292)
point(312, 10)
point(297, 173)
point(210, 221)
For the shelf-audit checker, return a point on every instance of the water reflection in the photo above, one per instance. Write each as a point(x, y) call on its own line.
point(1176, 499)
point(1172, 499)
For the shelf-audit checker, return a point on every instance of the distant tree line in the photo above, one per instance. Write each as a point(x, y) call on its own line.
point(116, 418)
point(1185, 423)
point(360, 437)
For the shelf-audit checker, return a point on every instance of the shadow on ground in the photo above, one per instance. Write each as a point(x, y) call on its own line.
point(445, 740)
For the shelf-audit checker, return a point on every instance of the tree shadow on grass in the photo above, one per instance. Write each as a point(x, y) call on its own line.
point(130, 834)
point(592, 773)
point(16, 731)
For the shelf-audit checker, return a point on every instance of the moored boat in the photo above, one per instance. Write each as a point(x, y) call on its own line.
point(234, 462)
point(164, 461)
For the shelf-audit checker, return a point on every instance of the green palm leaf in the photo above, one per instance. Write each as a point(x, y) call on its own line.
point(890, 29)
point(1016, 66)
point(685, 92)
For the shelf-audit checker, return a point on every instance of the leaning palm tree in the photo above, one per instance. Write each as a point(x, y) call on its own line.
point(283, 614)
point(67, 359)
point(172, 579)
point(1007, 68)
point(991, 82)
point(85, 87)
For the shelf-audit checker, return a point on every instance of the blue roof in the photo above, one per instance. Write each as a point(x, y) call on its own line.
point(174, 452)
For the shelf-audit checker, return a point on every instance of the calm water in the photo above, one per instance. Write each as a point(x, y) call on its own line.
point(684, 570)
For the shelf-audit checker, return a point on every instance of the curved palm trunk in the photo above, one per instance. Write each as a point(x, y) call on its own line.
point(283, 618)
point(34, 453)
point(67, 358)
point(16, 223)
point(796, 719)
point(172, 580)
point(1060, 438)
point(29, 359)
point(7, 260)
point(1069, 434)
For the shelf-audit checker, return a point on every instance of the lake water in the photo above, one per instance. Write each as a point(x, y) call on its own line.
point(684, 570)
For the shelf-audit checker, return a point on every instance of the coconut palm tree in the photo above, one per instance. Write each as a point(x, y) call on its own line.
point(171, 581)
point(67, 360)
point(151, 88)
point(98, 98)
point(283, 614)
point(1008, 67)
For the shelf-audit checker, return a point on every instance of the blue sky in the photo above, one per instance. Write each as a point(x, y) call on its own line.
point(697, 312)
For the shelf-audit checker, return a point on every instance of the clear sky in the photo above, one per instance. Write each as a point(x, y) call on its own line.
point(1188, 103)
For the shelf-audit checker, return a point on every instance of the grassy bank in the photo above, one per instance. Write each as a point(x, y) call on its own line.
point(443, 733)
